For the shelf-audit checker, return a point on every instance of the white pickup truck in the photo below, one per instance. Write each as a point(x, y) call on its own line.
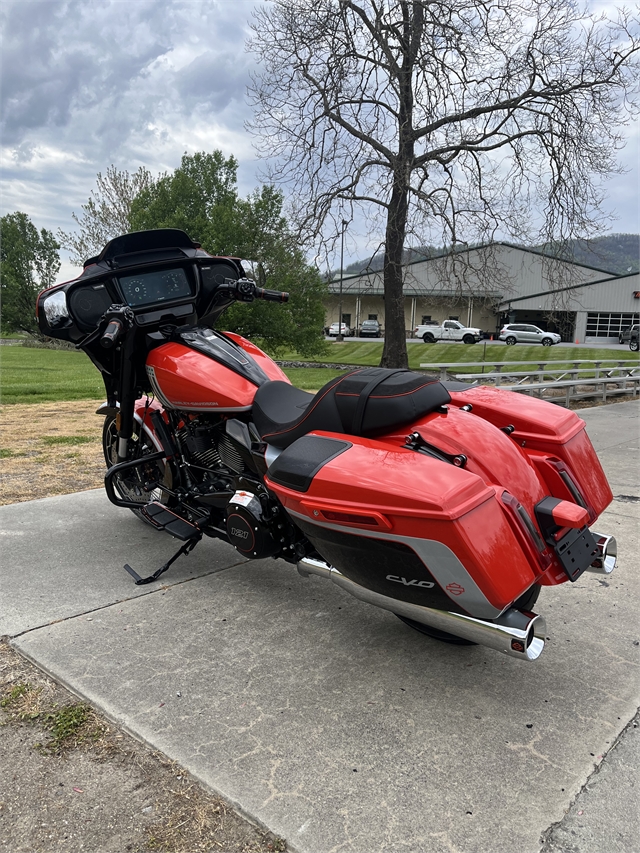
point(450, 330)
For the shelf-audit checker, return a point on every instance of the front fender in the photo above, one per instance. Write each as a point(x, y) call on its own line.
point(139, 415)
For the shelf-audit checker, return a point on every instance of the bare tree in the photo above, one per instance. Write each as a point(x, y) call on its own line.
point(107, 212)
point(452, 119)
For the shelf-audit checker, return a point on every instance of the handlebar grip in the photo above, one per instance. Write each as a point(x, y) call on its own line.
point(111, 334)
point(272, 295)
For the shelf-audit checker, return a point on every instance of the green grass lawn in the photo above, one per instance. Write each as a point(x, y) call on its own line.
point(369, 353)
point(43, 375)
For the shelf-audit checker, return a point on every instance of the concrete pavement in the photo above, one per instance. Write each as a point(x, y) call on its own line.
point(328, 721)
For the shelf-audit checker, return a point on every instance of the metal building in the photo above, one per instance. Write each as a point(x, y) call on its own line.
point(489, 285)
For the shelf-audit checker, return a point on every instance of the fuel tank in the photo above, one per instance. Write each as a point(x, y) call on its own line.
point(208, 371)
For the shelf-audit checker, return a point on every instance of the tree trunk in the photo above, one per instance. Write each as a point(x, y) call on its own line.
point(394, 353)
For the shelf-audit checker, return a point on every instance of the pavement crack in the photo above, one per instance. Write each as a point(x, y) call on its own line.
point(546, 838)
point(161, 588)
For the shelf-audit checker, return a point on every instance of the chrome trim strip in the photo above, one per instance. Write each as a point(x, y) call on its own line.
point(517, 634)
point(151, 374)
point(443, 564)
point(271, 454)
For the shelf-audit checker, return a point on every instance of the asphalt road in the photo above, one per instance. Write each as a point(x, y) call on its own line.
point(328, 721)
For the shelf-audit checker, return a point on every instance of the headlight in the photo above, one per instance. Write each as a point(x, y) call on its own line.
point(55, 309)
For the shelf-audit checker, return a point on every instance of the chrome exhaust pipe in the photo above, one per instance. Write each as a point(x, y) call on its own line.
point(607, 558)
point(514, 633)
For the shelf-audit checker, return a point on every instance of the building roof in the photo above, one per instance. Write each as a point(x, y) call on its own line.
point(422, 278)
point(617, 294)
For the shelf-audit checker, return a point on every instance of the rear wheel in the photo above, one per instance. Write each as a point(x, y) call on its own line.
point(428, 338)
point(633, 345)
point(443, 636)
point(510, 341)
point(528, 598)
point(131, 485)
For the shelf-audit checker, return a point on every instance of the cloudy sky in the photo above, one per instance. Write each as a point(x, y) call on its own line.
point(138, 82)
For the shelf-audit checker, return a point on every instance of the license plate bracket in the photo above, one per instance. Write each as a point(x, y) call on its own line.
point(576, 551)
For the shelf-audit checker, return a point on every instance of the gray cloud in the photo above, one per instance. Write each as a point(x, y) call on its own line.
point(212, 80)
point(62, 58)
point(88, 83)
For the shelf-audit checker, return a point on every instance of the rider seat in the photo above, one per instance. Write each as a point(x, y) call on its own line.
point(367, 401)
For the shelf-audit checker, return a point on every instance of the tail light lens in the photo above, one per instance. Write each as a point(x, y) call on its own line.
point(526, 532)
point(572, 487)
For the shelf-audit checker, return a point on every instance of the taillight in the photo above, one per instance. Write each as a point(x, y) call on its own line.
point(572, 487)
point(526, 532)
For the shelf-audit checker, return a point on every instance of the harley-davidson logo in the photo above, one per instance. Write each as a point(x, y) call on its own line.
point(412, 582)
point(454, 588)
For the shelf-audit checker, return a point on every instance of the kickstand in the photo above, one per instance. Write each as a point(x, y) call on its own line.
point(185, 549)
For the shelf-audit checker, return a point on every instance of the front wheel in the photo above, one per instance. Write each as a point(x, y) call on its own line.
point(546, 342)
point(131, 484)
point(633, 345)
point(510, 341)
point(428, 338)
point(468, 339)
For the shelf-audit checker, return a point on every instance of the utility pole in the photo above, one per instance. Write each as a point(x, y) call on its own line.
point(340, 336)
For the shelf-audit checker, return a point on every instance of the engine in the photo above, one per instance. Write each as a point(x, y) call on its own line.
point(250, 530)
point(219, 454)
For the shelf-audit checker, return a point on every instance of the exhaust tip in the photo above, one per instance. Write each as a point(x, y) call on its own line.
point(607, 558)
point(531, 647)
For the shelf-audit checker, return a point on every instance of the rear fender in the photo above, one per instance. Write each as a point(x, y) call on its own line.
point(542, 429)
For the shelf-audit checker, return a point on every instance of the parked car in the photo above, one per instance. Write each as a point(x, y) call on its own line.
point(370, 329)
point(625, 335)
point(633, 339)
point(523, 333)
point(335, 330)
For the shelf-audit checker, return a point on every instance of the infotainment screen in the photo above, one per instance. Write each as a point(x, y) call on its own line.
point(148, 288)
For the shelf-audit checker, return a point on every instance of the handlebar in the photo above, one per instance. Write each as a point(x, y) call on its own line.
point(244, 290)
point(111, 333)
point(271, 295)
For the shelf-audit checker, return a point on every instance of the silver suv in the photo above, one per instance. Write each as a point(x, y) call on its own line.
point(625, 335)
point(523, 333)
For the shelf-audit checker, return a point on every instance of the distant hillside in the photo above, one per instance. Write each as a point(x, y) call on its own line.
point(616, 253)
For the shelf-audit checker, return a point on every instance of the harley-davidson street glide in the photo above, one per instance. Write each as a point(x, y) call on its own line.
point(447, 504)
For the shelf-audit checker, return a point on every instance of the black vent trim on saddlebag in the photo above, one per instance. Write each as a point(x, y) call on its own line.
point(296, 466)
